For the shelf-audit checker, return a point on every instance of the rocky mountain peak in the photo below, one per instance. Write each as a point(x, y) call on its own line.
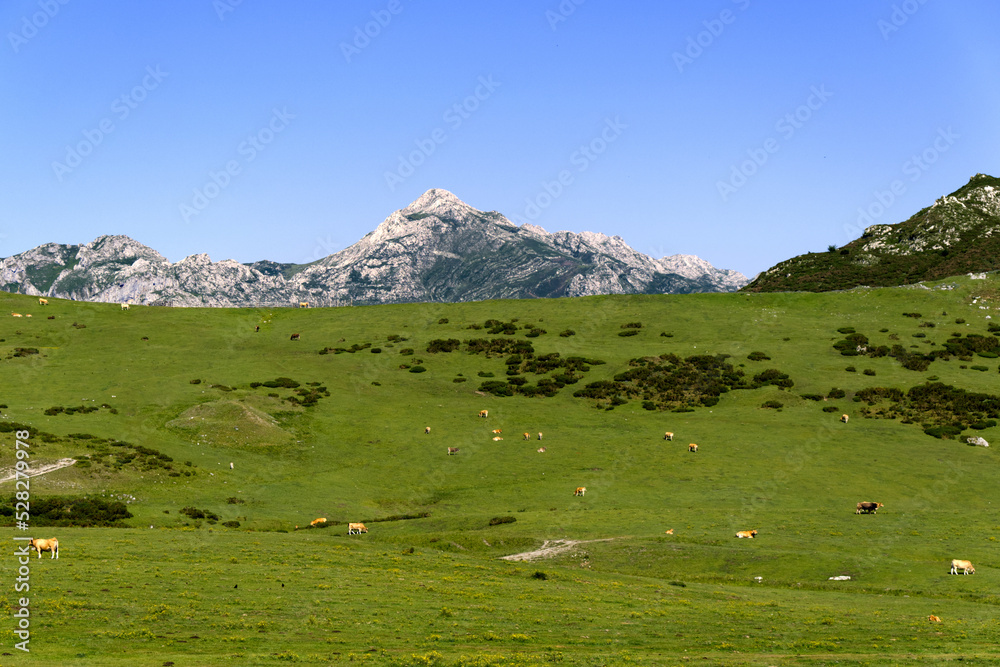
point(438, 248)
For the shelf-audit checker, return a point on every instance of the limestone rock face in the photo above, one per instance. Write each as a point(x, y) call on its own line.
point(436, 249)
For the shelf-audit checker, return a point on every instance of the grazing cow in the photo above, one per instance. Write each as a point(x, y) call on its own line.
point(356, 528)
point(541, 450)
point(452, 450)
point(47, 545)
point(844, 418)
point(868, 508)
point(668, 436)
point(294, 337)
point(527, 436)
point(670, 532)
point(963, 565)
point(692, 447)
point(318, 521)
point(539, 435)
point(257, 329)
point(747, 533)
point(427, 429)
point(16, 315)
point(497, 438)
point(231, 466)
point(303, 304)
point(28, 315)
point(484, 413)
point(580, 490)
point(125, 306)
point(497, 431)
point(934, 619)
point(43, 302)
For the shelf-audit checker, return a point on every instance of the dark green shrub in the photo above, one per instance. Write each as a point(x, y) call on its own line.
point(666, 335)
point(443, 320)
point(912, 315)
point(773, 405)
point(418, 369)
point(979, 368)
point(868, 371)
point(851, 369)
point(485, 374)
point(980, 425)
point(632, 325)
point(376, 350)
point(846, 330)
point(831, 408)
point(836, 393)
point(497, 520)
point(628, 332)
point(460, 379)
point(442, 345)
point(197, 381)
point(812, 397)
point(231, 524)
point(286, 383)
point(406, 351)
point(758, 356)
point(960, 320)
point(567, 333)
point(946, 432)
point(539, 575)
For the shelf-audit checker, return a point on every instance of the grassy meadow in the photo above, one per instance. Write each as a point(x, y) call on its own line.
point(170, 409)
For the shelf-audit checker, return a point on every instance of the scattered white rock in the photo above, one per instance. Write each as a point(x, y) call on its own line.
point(978, 441)
point(843, 577)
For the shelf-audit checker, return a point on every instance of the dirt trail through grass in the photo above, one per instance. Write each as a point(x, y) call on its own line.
point(552, 548)
point(40, 470)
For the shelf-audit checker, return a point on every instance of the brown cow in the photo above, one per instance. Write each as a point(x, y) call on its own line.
point(868, 508)
point(356, 528)
point(580, 490)
point(43, 302)
point(844, 418)
point(497, 431)
point(956, 565)
point(692, 447)
point(51, 544)
point(452, 450)
point(294, 337)
point(668, 436)
point(539, 435)
point(527, 436)
point(484, 413)
point(318, 521)
point(427, 429)
point(747, 533)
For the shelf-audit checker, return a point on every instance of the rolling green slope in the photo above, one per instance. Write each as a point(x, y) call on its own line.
point(195, 410)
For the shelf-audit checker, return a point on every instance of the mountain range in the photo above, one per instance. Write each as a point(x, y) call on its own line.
point(437, 249)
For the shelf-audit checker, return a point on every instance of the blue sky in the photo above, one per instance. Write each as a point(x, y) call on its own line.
point(741, 131)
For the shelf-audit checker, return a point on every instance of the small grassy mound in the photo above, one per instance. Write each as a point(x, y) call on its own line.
point(230, 423)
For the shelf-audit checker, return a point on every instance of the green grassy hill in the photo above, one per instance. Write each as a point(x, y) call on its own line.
point(221, 440)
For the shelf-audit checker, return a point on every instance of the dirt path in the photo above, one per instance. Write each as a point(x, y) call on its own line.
point(8, 475)
point(553, 548)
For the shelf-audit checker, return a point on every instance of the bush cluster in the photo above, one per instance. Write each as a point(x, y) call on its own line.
point(70, 511)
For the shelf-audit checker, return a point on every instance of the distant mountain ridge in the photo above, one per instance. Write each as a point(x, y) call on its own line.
point(959, 233)
point(437, 249)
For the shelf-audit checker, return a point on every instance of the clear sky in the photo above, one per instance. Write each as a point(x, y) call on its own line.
point(741, 131)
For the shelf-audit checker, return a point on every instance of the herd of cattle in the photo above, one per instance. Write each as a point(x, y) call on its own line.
point(864, 507)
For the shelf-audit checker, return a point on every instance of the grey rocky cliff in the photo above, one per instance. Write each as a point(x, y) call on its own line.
point(436, 249)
